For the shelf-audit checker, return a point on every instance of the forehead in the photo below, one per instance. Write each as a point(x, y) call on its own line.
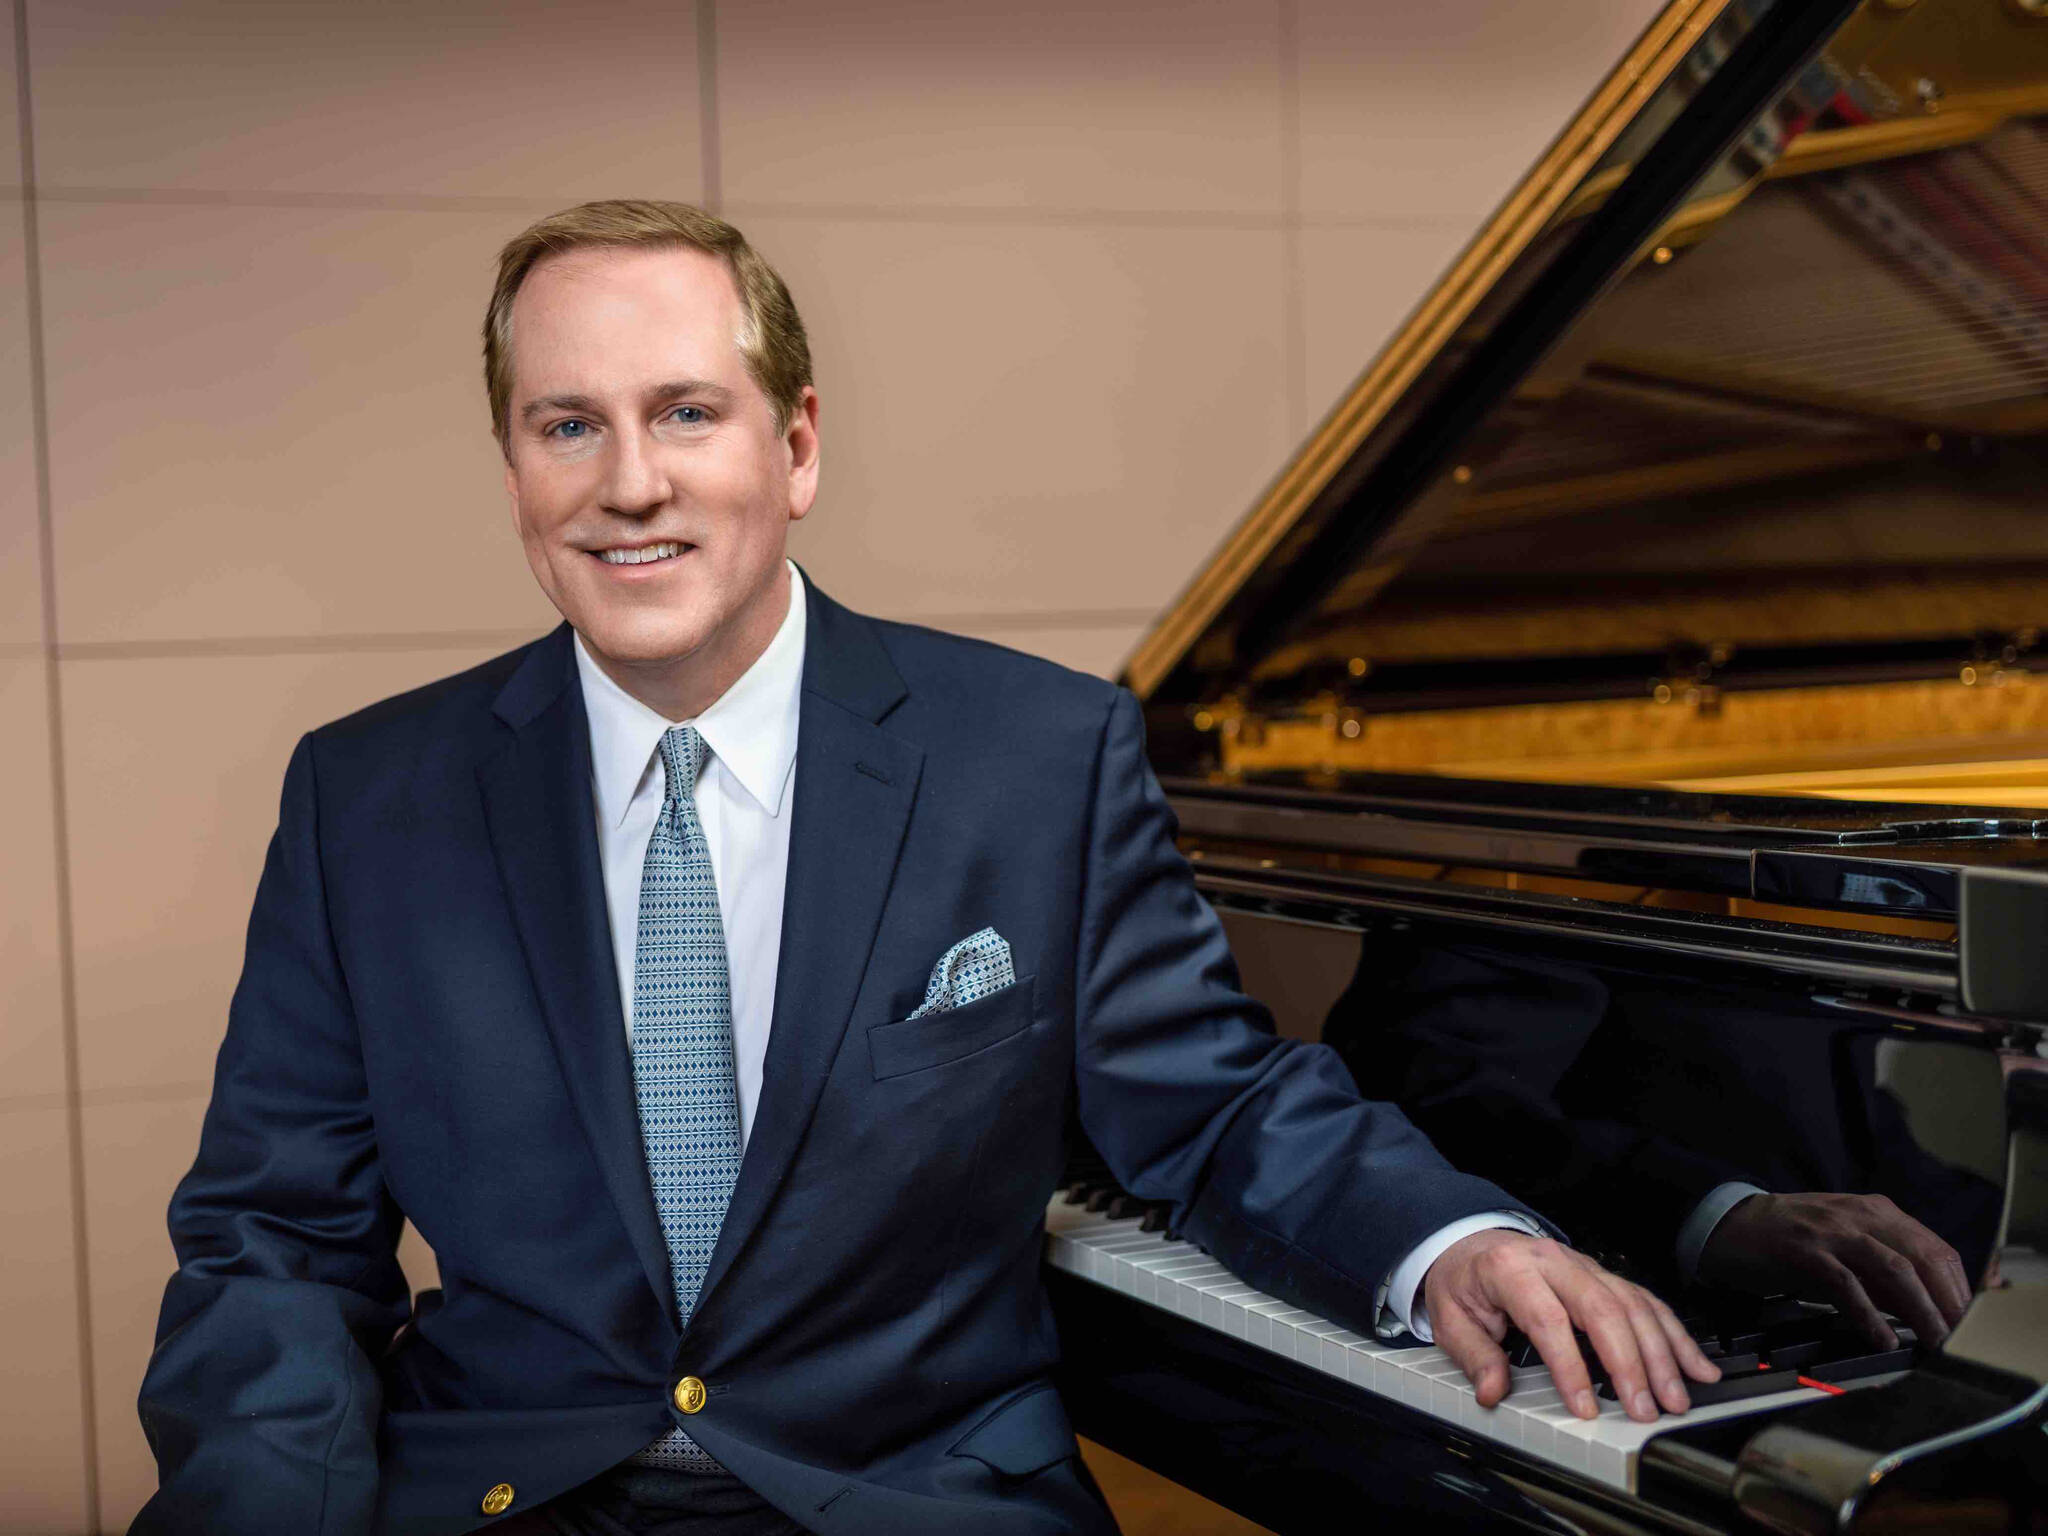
point(588, 317)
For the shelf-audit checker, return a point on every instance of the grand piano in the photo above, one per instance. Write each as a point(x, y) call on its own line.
point(1661, 617)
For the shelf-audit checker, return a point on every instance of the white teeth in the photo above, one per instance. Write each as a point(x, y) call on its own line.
point(639, 556)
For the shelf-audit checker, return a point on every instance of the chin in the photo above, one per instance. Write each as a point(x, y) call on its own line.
point(641, 639)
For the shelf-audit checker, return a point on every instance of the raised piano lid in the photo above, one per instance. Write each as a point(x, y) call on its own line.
point(1702, 499)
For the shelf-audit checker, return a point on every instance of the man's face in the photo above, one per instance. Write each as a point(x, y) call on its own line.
point(635, 433)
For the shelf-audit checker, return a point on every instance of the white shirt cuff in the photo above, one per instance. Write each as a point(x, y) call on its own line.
point(1399, 1306)
point(1699, 1226)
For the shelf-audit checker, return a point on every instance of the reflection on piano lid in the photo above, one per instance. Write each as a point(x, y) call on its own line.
point(1662, 613)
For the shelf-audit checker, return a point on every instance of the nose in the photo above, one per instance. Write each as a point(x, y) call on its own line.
point(634, 483)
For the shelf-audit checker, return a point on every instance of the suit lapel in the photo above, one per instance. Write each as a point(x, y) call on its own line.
point(537, 802)
point(855, 784)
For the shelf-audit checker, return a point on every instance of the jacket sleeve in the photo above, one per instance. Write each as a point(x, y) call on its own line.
point(262, 1398)
point(1264, 1147)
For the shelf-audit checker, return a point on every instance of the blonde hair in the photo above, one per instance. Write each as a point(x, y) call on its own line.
point(771, 340)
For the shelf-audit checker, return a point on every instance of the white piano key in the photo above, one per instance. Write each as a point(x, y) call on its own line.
point(1212, 1299)
point(1287, 1331)
point(1441, 1379)
point(1448, 1394)
point(1531, 1392)
point(1134, 1279)
point(1329, 1354)
point(1418, 1389)
point(1166, 1255)
point(1189, 1289)
point(1390, 1370)
point(1337, 1349)
point(1233, 1303)
point(1060, 1216)
point(1577, 1437)
point(1113, 1247)
point(1089, 1247)
point(1502, 1422)
point(1180, 1277)
point(1107, 1231)
point(1146, 1271)
point(1567, 1440)
point(1365, 1362)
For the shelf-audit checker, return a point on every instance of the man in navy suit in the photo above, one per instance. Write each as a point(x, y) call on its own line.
point(713, 983)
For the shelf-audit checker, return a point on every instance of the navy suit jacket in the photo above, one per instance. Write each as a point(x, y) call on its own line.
point(428, 1026)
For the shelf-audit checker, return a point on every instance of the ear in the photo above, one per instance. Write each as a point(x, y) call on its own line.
point(800, 437)
point(512, 493)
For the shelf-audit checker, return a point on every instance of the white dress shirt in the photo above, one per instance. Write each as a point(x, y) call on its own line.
point(744, 804)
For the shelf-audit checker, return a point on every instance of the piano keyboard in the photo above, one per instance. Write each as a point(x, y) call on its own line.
point(1179, 1277)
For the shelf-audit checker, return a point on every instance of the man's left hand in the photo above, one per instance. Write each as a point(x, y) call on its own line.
point(1483, 1284)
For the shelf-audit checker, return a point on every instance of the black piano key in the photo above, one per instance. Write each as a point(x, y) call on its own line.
point(1155, 1219)
point(1788, 1357)
point(1859, 1366)
point(1705, 1394)
point(1077, 1193)
point(1123, 1206)
point(1100, 1198)
point(1752, 1380)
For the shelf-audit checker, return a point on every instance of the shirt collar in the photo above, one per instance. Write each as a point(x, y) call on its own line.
point(751, 727)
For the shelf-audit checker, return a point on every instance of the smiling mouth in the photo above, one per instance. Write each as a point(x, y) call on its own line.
point(646, 555)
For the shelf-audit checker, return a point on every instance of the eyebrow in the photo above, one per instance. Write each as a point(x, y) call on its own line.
point(584, 404)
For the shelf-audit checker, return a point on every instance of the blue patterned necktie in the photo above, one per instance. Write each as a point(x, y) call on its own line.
point(682, 1048)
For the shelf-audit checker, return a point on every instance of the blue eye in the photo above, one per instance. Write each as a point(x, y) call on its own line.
point(571, 429)
point(690, 415)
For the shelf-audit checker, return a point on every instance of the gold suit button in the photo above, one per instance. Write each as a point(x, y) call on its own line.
point(690, 1394)
point(498, 1500)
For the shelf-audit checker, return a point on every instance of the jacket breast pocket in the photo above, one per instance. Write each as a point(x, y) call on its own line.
point(912, 1045)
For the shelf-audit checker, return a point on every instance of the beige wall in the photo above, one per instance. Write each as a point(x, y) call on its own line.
point(1078, 274)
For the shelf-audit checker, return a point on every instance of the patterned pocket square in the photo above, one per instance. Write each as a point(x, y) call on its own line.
point(978, 965)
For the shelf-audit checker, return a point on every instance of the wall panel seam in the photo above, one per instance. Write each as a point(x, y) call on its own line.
point(18, 1102)
point(1005, 214)
point(145, 1093)
point(344, 202)
point(712, 174)
point(1294, 277)
point(67, 953)
point(381, 643)
point(999, 214)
